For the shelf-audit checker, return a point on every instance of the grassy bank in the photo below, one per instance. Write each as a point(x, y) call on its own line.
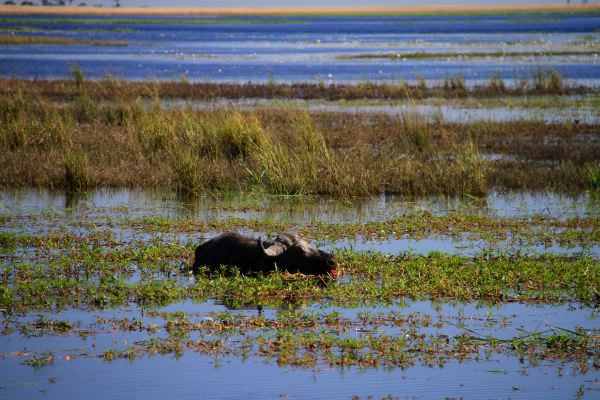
point(543, 81)
point(467, 54)
point(30, 40)
point(83, 143)
point(151, 21)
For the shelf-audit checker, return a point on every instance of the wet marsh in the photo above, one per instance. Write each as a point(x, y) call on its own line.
point(100, 281)
point(461, 199)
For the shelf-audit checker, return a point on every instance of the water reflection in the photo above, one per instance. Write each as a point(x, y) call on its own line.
point(293, 209)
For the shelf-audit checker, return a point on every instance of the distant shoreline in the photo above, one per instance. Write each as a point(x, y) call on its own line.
point(307, 11)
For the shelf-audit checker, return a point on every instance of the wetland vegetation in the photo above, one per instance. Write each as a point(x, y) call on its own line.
point(471, 54)
point(501, 295)
point(72, 134)
point(26, 40)
point(118, 277)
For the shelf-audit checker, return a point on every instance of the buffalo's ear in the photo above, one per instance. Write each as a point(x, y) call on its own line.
point(275, 249)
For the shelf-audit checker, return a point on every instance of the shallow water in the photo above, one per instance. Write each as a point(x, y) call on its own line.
point(78, 370)
point(308, 49)
point(447, 113)
point(45, 213)
point(138, 202)
point(192, 376)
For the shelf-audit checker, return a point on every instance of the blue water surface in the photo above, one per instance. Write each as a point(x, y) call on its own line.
point(307, 48)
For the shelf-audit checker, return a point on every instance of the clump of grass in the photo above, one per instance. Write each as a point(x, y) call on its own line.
point(8, 241)
point(547, 81)
point(497, 85)
point(461, 171)
point(421, 91)
point(45, 359)
point(77, 172)
point(592, 173)
point(470, 171)
point(416, 131)
point(187, 178)
point(298, 167)
point(78, 75)
point(455, 86)
point(235, 135)
point(30, 122)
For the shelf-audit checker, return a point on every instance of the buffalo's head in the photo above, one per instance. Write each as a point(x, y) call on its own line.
point(290, 251)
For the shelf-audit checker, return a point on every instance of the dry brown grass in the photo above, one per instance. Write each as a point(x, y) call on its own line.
point(237, 11)
point(545, 81)
point(85, 143)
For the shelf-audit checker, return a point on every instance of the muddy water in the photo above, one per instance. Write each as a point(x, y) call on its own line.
point(78, 370)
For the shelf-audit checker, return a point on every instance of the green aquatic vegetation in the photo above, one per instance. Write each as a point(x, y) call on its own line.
point(43, 360)
point(593, 176)
point(372, 277)
point(530, 230)
point(310, 338)
point(46, 326)
point(8, 241)
point(104, 250)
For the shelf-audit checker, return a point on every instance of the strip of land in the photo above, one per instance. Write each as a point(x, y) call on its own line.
point(29, 40)
point(471, 54)
point(314, 11)
point(153, 21)
point(544, 82)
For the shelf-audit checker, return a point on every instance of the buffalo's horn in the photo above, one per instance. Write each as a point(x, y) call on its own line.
point(274, 249)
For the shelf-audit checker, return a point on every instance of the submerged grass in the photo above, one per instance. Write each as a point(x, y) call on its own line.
point(101, 280)
point(96, 259)
point(311, 339)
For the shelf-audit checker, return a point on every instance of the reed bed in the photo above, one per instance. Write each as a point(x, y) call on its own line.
point(543, 81)
point(86, 142)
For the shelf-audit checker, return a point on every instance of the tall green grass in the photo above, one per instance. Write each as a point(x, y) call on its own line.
point(547, 80)
point(592, 174)
point(32, 123)
point(77, 172)
point(285, 151)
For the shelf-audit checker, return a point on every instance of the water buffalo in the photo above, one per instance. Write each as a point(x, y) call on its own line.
point(288, 252)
